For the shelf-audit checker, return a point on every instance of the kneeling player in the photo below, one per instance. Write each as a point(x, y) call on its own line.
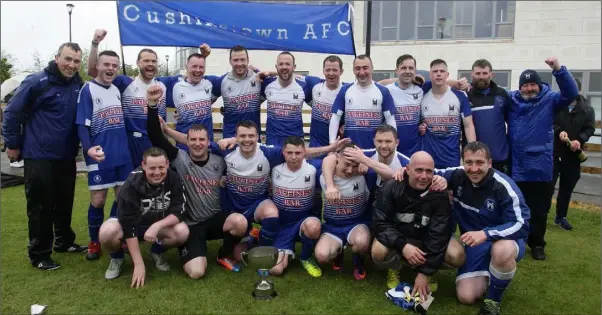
point(293, 190)
point(493, 218)
point(151, 208)
point(412, 223)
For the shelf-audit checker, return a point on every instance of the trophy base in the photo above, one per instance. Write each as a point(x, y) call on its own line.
point(263, 296)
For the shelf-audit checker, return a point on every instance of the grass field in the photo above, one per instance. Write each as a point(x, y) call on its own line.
point(567, 283)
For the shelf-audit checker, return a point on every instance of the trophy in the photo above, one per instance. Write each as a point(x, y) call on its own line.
point(582, 156)
point(263, 258)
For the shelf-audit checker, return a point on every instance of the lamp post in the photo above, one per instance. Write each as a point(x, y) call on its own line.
point(167, 65)
point(70, 9)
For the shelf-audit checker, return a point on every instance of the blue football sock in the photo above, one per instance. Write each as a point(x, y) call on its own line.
point(157, 248)
point(95, 218)
point(117, 255)
point(307, 247)
point(113, 213)
point(498, 282)
point(358, 260)
point(269, 229)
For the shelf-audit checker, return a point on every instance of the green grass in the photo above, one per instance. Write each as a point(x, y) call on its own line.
point(567, 283)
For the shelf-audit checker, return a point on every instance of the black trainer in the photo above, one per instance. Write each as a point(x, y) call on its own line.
point(538, 253)
point(74, 248)
point(46, 264)
point(490, 307)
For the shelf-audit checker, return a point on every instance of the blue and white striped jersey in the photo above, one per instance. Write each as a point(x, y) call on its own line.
point(352, 207)
point(407, 103)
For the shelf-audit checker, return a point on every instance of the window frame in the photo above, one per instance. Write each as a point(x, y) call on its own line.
point(466, 73)
point(377, 22)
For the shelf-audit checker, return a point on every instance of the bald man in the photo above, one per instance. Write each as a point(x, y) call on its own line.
point(412, 226)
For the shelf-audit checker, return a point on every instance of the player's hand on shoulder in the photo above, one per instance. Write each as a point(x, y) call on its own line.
point(227, 143)
point(439, 183)
point(154, 93)
point(99, 35)
point(96, 153)
point(399, 173)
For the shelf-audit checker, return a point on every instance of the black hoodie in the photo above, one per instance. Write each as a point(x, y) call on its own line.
point(141, 204)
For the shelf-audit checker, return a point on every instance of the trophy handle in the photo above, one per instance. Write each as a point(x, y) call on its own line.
point(280, 251)
point(242, 258)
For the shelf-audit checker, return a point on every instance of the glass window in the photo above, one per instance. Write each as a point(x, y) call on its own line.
point(546, 76)
point(424, 73)
point(504, 11)
point(464, 12)
point(382, 74)
point(483, 19)
point(425, 32)
point(500, 77)
point(407, 24)
point(303, 73)
point(426, 12)
point(389, 34)
point(445, 19)
point(375, 21)
point(596, 103)
point(594, 82)
point(389, 15)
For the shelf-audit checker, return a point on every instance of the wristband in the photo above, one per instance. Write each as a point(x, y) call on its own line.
point(95, 44)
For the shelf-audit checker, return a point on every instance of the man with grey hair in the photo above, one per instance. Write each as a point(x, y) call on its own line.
point(39, 127)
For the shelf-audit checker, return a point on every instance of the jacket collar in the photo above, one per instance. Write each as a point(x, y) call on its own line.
point(492, 88)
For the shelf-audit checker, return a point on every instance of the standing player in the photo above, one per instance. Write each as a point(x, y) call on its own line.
point(240, 91)
point(151, 208)
point(102, 133)
point(407, 98)
point(293, 189)
point(444, 110)
point(285, 96)
point(201, 172)
point(493, 220)
point(489, 105)
point(364, 104)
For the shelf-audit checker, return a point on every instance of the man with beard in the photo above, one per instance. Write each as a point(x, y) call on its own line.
point(151, 208)
point(364, 104)
point(201, 172)
point(407, 98)
point(285, 96)
point(444, 110)
point(530, 128)
point(489, 104)
point(39, 127)
point(494, 222)
point(133, 94)
point(101, 130)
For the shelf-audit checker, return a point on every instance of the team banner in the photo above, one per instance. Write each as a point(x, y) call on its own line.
point(223, 24)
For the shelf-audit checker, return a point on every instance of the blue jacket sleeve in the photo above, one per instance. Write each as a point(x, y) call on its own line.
point(273, 154)
point(84, 137)
point(15, 112)
point(516, 214)
point(447, 173)
point(568, 89)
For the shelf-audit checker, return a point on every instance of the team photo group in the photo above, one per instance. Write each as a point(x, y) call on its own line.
point(420, 173)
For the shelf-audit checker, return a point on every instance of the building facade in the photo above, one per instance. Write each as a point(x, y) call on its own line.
point(512, 35)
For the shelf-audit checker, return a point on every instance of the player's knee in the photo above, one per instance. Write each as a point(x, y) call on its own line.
point(277, 270)
point(312, 229)
point(195, 273)
point(240, 224)
point(467, 297)
point(98, 199)
point(110, 231)
point(270, 211)
point(322, 254)
point(379, 251)
point(503, 252)
point(181, 232)
point(455, 257)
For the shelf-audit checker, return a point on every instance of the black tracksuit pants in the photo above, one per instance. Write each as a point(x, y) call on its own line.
point(49, 190)
point(538, 196)
point(569, 171)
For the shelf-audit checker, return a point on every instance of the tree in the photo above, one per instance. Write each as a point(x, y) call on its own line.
point(132, 71)
point(83, 70)
point(7, 68)
point(38, 63)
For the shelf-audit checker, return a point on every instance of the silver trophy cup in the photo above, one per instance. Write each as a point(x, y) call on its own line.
point(262, 258)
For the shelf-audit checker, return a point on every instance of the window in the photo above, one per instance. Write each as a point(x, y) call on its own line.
point(303, 73)
point(441, 20)
point(590, 86)
point(500, 77)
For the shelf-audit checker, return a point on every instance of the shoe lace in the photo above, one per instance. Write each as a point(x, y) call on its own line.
point(114, 264)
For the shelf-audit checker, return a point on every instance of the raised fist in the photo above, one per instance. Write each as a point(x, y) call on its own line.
point(154, 93)
point(205, 50)
point(99, 35)
point(553, 63)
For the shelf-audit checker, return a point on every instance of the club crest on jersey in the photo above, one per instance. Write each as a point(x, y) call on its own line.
point(97, 178)
point(260, 168)
point(356, 186)
point(136, 89)
point(229, 89)
point(374, 102)
point(207, 90)
point(459, 191)
point(307, 178)
point(253, 83)
point(426, 108)
point(452, 107)
point(415, 96)
point(270, 93)
point(295, 96)
point(231, 164)
point(490, 204)
point(278, 176)
point(119, 97)
point(182, 96)
point(319, 93)
point(98, 101)
point(349, 101)
point(215, 167)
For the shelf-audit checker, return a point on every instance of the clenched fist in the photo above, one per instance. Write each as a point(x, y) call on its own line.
point(553, 63)
point(205, 50)
point(154, 94)
point(99, 35)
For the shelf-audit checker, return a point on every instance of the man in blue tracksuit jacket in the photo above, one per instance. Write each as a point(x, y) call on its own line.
point(531, 133)
point(39, 126)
